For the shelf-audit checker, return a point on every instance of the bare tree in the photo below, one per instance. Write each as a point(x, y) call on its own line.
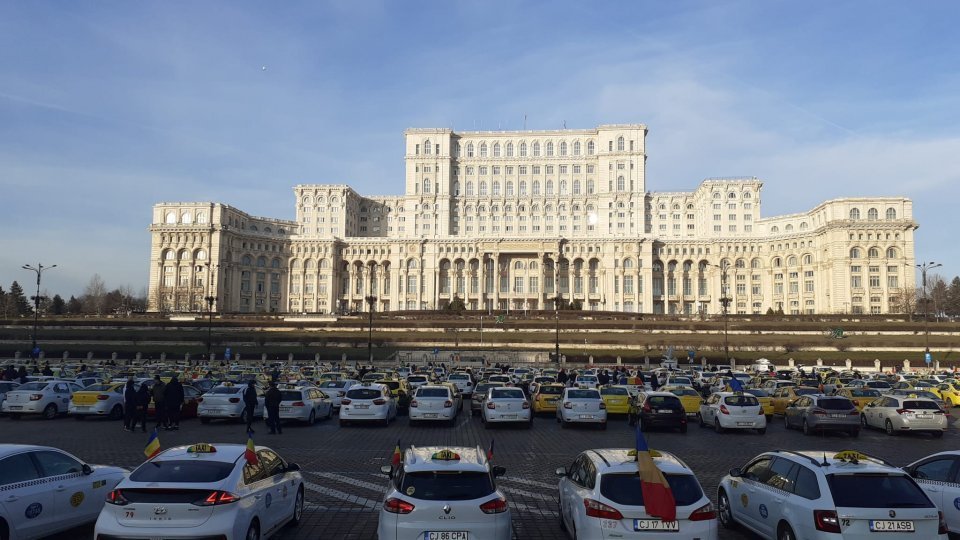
point(905, 301)
point(937, 295)
point(94, 295)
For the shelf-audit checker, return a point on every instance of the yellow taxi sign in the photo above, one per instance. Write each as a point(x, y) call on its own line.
point(850, 455)
point(227, 383)
point(201, 448)
point(652, 452)
point(446, 455)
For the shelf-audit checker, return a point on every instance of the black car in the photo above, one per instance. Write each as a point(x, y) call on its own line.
point(658, 409)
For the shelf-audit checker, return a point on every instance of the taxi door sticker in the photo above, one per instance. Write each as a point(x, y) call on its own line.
point(744, 500)
point(76, 499)
point(99, 484)
point(269, 500)
point(411, 490)
point(33, 510)
point(763, 511)
point(956, 503)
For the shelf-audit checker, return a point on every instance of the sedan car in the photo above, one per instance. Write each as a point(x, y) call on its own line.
point(949, 392)
point(464, 383)
point(444, 494)
point(895, 414)
point(601, 498)
point(46, 398)
point(6, 386)
point(433, 403)
point(46, 490)
point(98, 400)
point(859, 396)
point(732, 410)
point(582, 406)
point(368, 402)
point(689, 398)
point(506, 405)
point(226, 402)
point(480, 394)
point(205, 491)
point(818, 412)
point(304, 404)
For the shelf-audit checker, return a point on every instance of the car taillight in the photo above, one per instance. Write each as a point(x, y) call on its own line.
point(826, 521)
point(704, 513)
point(103, 397)
point(36, 397)
point(234, 400)
point(600, 510)
point(942, 526)
point(647, 407)
point(447, 404)
point(297, 404)
point(853, 412)
point(199, 400)
point(903, 411)
point(397, 506)
point(379, 401)
point(344, 401)
point(603, 405)
point(568, 405)
point(724, 410)
point(491, 405)
point(116, 497)
point(216, 498)
point(818, 412)
point(495, 506)
point(526, 405)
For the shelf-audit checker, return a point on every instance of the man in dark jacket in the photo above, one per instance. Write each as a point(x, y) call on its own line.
point(562, 377)
point(143, 402)
point(250, 403)
point(173, 397)
point(159, 405)
point(272, 401)
point(129, 405)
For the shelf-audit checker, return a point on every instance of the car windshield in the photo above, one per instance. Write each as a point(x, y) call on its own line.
point(363, 393)
point(224, 390)
point(433, 392)
point(878, 384)
point(876, 491)
point(506, 393)
point(613, 391)
point(864, 392)
point(32, 386)
point(446, 485)
point(835, 404)
point(625, 489)
point(741, 401)
point(553, 390)
point(586, 379)
point(925, 405)
point(583, 394)
point(175, 471)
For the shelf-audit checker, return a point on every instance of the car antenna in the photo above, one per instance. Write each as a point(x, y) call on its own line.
point(825, 463)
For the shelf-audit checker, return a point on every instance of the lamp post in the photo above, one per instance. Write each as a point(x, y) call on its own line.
point(725, 304)
point(923, 281)
point(556, 304)
point(38, 269)
point(210, 300)
point(372, 300)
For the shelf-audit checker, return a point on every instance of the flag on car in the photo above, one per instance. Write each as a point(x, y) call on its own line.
point(251, 452)
point(735, 384)
point(397, 455)
point(658, 499)
point(153, 445)
point(490, 451)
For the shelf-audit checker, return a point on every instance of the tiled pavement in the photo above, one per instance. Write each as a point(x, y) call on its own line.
point(341, 464)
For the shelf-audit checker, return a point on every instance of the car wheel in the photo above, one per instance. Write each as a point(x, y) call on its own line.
point(312, 419)
point(888, 427)
point(725, 513)
point(50, 412)
point(204, 420)
point(863, 421)
point(253, 532)
point(784, 532)
point(297, 509)
point(716, 426)
point(117, 412)
point(937, 434)
point(700, 420)
point(806, 428)
point(683, 428)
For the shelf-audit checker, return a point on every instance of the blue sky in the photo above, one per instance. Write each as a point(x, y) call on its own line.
point(109, 107)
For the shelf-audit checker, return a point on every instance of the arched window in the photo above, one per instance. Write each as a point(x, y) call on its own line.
point(536, 187)
point(427, 147)
point(483, 188)
point(716, 194)
point(792, 260)
point(873, 253)
point(411, 264)
point(658, 267)
point(777, 262)
point(732, 195)
point(740, 263)
point(803, 226)
point(621, 184)
point(591, 148)
point(576, 148)
point(509, 149)
point(518, 265)
point(523, 187)
point(619, 144)
point(469, 189)
point(549, 187)
point(169, 255)
point(200, 255)
point(496, 149)
point(523, 149)
point(186, 218)
point(201, 217)
point(854, 213)
point(536, 149)
point(275, 263)
point(483, 149)
point(549, 148)
point(891, 213)
point(855, 253)
point(627, 263)
point(261, 262)
point(808, 259)
point(171, 218)
point(247, 260)
point(891, 253)
point(873, 214)
point(563, 148)
point(755, 263)
point(788, 228)
point(747, 195)
point(774, 229)
point(469, 149)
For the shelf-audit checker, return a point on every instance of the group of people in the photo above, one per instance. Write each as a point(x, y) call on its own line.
point(272, 398)
point(20, 375)
point(167, 399)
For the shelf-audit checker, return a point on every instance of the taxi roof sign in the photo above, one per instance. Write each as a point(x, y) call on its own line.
point(202, 448)
point(445, 455)
point(653, 453)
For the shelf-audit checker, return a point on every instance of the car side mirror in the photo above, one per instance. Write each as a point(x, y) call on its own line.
point(387, 470)
point(499, 471)
point(735, 472)
point(293, 467)
point(561, 472)
point(87, 470)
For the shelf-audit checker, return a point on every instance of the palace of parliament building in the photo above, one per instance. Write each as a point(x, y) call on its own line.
point(522, 220)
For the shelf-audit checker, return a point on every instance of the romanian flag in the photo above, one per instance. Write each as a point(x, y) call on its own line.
point(251, 452)
point(490, 451)
point(657, 498)
point(153, 445)
point(397, 455)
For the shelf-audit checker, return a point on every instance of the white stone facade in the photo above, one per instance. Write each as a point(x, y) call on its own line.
point(509, 221)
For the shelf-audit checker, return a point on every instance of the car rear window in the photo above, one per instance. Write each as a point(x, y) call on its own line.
point(806, 391)
point(741, 401)
point(224, 390)
point(878, 384)
point(418, 378)
point(583, 394)
point(508, 393)
point(836, 404)
point(876, 491)
point(926, 405)
point(363, 393)
point(290, 395)
point(433, 392)
point(684, 392)
point(552, 390)
point(757, 392)
point(624, 488)
point(664, 401)
point(189, 471)
point(613, 391)
point(32, 386)
point(446, 485)
point(459, 377)
point(864, 392)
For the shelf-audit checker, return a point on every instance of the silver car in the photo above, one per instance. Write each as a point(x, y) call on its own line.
point(506, 405)
point(581, 406)
point(305, 403)
point(337, 390)
point(819, 412)
point(433, 403)
point(896, 414)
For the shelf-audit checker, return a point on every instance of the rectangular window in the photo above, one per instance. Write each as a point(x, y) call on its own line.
point(874, 280)
point(892, 282)
point(856, 282)
point(627, 284)
point(518, 284)
point(534, 285)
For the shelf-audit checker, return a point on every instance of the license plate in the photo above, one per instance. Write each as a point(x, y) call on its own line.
point(447, 535)
point(586, 416)
point(744, 423)
point(886, 525)
point(553, 400)
point(15, 407)
point(361, 406)
point(838, 416)
point(655, 525)
point(214, 411)
point(924, 416)
point(285, 409)
point(508, 416)
point(82, 408)
point(430, 415)
point(664, 411)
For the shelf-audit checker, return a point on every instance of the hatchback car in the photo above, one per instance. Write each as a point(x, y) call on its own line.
point(433, 403)
point(444, 494)
point(731, 410)
point(818, 412)
point(506, 405)
point(46, 398)
point(787, 495)
point(226, 402)
point(205, 491)
point(546, 396)
point(368, 402)
point(658, 409)
point(601, 498)
point(897, 414)
point(581, 406)
point(305, 404)
point(616, 398)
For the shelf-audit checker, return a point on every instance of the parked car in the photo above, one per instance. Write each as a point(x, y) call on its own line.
point(47, 398)
point(658, 409)
point(819, 412)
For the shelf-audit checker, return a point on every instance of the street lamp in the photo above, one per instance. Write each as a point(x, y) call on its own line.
point(34, 353)
point(725, 304)
point(923, 280)
point(210, 300)
point(556, 303)
point(372, 300)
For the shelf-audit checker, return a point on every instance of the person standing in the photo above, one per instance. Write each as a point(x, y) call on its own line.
point(129, 405)
point(143, 402)
point(250, 403)
point(159, 406)
point(272, 402)
point(562, 377)
point(173, 396)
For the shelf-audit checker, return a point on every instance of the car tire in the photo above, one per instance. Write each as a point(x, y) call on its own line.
point(204, 420)
point(863, 422)
point(683, 428)
point(888, 427)
point(312, 419)
point(243, 416)
point(784, 532)
point(329, 413)
point(716, 426)
point(50, 412)
point(806, 428)
point(116, 413)
point(937, 434)
point(725, 511)
point(297, 509)
point(253, 531)
point(700, 421)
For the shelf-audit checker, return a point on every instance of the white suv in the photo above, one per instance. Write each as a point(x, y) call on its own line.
point(368, 402)
point(785, 495)
point(601, 497)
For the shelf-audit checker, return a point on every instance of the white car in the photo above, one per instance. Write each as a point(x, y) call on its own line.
point(337, 389)
point(226, 402)
point(204, 491)
point(368, 402)
point(600, 498)
point(463, 382)
point(433, 403)
point(506, 405)
point(417, 380)
point(505, 379)
point(6, 386)
point(732, 410)
point(819, 495)
point(46, 490)
point(305, 404)
point(938, 475)
point(444, 494)
point(47, 398)
point(895, 414)
point(586, 381)
point(581, 406)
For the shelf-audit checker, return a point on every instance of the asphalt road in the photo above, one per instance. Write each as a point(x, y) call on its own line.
point(341, 465)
